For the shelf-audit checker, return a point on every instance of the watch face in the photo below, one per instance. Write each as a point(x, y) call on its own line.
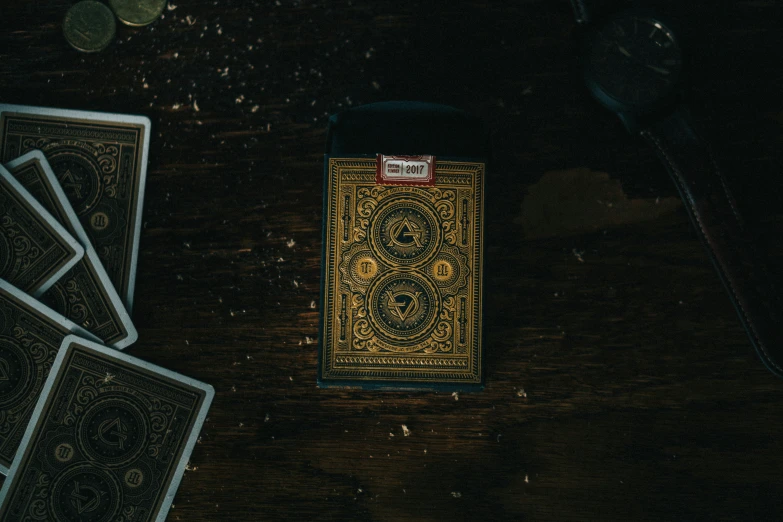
point(634, 60)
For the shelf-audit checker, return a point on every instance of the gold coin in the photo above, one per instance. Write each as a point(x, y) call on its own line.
point(138, 12)
point(89, 26)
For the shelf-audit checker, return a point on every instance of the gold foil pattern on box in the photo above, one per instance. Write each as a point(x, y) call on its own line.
point(403, 273)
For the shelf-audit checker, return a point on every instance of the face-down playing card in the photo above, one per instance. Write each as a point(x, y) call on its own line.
point(85, 293)
point(30, 337)
point(100, 160)
point(109, 439)
point(35, 250)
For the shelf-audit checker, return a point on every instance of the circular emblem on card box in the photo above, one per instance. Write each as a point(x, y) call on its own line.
point(80, 177)
point(113, 431)
point(405, 232)
point(403, 307)
point(85, 493)
point(443, 270)
point(16, 371)
point(363, 267)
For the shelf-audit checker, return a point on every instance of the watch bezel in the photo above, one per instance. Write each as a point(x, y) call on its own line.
point(623, 108)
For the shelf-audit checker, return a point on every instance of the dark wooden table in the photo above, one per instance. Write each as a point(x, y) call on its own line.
point(620, 384)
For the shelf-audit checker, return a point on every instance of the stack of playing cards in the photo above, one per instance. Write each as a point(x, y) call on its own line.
point(86, 432)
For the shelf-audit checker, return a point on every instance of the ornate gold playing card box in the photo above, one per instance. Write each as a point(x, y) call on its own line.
point(401, 297)
point(402, 282)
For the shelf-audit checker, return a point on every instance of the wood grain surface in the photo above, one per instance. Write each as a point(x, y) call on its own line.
point(620, 384)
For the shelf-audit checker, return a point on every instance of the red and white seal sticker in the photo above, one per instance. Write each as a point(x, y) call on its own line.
point(405, 170)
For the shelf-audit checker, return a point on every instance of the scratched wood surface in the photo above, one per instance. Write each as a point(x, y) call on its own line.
point(620, 385)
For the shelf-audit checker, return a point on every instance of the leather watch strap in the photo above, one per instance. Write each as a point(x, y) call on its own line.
point(717, 221)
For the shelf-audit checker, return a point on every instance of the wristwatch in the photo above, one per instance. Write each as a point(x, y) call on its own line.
point(634, 65)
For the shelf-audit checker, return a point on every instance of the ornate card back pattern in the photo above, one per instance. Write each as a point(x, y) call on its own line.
point(100, 161)
point(401, 298)
point(35, 250)
point(30, 337)
point(84, 294)
point(109, 440)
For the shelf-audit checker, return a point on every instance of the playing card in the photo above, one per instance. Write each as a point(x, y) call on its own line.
point(101, 162)
point(84, 294)
point(109, 440)
point(35, 250)
point(30, 336)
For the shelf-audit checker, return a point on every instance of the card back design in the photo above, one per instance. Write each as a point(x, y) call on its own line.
point(402, 277)
point(101, 163)
point(109, 440)
point(30, 336)
point(35, 250)
point(84, 294)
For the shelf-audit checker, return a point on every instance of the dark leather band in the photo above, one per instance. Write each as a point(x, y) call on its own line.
point(717, 221)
